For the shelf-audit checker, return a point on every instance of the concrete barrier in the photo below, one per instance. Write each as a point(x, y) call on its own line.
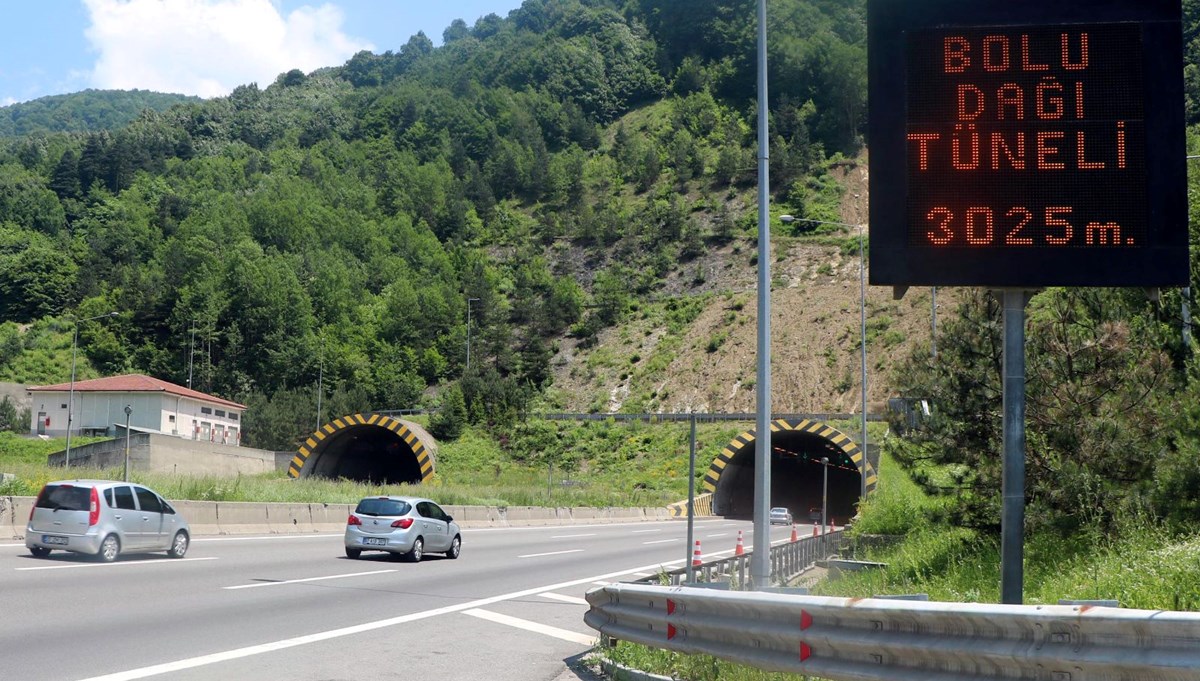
point(243, 517)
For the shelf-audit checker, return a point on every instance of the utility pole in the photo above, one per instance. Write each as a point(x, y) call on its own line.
point(469, 301)
point(760, 560)
point(191, 353)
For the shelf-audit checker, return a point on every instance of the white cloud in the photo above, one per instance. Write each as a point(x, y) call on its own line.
point(209, 47)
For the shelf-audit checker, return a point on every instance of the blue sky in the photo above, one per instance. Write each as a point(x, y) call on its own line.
point(203, 47)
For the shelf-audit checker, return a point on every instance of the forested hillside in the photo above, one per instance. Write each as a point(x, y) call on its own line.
point(338, 222)
point(562, 171)
point(87, 111)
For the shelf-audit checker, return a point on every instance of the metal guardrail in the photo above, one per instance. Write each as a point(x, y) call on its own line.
point(875, 639)
point(787, 560)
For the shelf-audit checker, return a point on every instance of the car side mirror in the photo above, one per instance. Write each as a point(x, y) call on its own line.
point(449, 518)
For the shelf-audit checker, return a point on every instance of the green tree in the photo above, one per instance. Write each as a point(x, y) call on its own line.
point(448, 422)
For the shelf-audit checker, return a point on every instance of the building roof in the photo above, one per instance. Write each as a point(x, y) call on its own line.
point(134, 383)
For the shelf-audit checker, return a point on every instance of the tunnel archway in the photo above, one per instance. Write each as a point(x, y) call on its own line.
point(796, 472)
point(374, 448)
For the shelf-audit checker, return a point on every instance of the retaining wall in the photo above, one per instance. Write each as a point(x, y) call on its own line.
point(234, 517)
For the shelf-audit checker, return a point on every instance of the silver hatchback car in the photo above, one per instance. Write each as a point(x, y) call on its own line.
point(404, 526)
point(104, 518)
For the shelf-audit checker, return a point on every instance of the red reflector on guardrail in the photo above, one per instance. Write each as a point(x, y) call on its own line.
point(670, 607)
point(671, 632)
point(805, 651)
point(805, 620)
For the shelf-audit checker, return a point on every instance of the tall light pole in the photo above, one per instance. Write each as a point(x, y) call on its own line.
point(320, 379)
point(71, 394)
point(825, 499)
point(760, 560)
point(128, 412)
point(469, 301)
point(862, 315)
point(191, 353)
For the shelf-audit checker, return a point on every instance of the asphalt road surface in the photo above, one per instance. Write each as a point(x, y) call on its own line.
point(294, 607)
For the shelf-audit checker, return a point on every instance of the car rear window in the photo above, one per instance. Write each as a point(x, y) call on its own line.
point(382, 507)
point(65, 498)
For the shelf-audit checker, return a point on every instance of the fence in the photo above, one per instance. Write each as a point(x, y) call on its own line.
point(874, 639)
point(787, 560)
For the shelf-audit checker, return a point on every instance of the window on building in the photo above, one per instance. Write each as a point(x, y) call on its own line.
point(171, 418)
point(205, 410)
point(64, 406)
point(221, 413)
point(233, 416)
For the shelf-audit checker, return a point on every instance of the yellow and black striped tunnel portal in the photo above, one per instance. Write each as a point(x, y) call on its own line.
point(374, 448)
point(797, 478)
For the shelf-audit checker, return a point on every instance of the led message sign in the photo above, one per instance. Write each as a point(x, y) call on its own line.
point(1017, 143)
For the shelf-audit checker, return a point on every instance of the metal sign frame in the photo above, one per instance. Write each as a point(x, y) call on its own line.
point(1159, 259)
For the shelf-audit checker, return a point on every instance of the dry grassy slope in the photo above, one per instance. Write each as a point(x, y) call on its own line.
point(815, 360)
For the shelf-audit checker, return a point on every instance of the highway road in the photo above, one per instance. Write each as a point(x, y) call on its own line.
point(294, 607)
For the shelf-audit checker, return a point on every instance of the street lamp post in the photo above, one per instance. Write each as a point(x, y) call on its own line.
point(191, 353)
point(128, 412)
point(71, 394)
point(469, 301)
point(824, 500)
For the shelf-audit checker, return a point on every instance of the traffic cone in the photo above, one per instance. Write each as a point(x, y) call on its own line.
point(697, 560)
point(739, 550)
point(794, 536)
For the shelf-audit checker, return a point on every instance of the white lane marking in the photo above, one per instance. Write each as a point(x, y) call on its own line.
point(156, 561)
point(565, 599)
point(603, 583)
point(719, 534)
point(551, 553)
point(238, 653)
point(661, 541)
point(307, 579)
point(644, 574)
point(535, 627)
point(568, 536)
point(645, 531)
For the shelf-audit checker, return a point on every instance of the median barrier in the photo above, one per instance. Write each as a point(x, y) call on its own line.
point(201, 516)
point(245, 517)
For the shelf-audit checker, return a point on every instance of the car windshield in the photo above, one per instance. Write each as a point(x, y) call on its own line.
point(382, 507)
point(65, 498)
point(780, 511)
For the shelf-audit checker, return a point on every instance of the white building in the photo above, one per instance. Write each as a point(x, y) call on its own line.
point(157, 407)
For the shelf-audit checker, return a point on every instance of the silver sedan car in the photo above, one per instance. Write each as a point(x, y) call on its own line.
point(404, 526)
point(104, 518)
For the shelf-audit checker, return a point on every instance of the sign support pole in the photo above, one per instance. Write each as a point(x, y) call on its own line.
point(1012, 518)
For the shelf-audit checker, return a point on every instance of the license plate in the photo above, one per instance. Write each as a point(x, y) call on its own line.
point(51, 539)
point(374, 541)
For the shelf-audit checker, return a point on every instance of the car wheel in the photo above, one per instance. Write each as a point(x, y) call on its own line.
point(418, 550)
point(353, 553)
point(39, 551)
point(455, 548)
point(179, 545)
point(110, 548)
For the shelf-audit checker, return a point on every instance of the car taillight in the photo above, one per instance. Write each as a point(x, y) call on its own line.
point(403, 523)
point(353, 520)
point(94, 513)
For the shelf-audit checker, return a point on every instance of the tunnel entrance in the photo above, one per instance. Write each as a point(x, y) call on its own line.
point(374, 448)
point(797, 476)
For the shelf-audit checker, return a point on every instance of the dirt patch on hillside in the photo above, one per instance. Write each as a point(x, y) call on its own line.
point(815, 334)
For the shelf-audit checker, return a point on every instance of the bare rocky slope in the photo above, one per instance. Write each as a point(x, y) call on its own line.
point(815, 331)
